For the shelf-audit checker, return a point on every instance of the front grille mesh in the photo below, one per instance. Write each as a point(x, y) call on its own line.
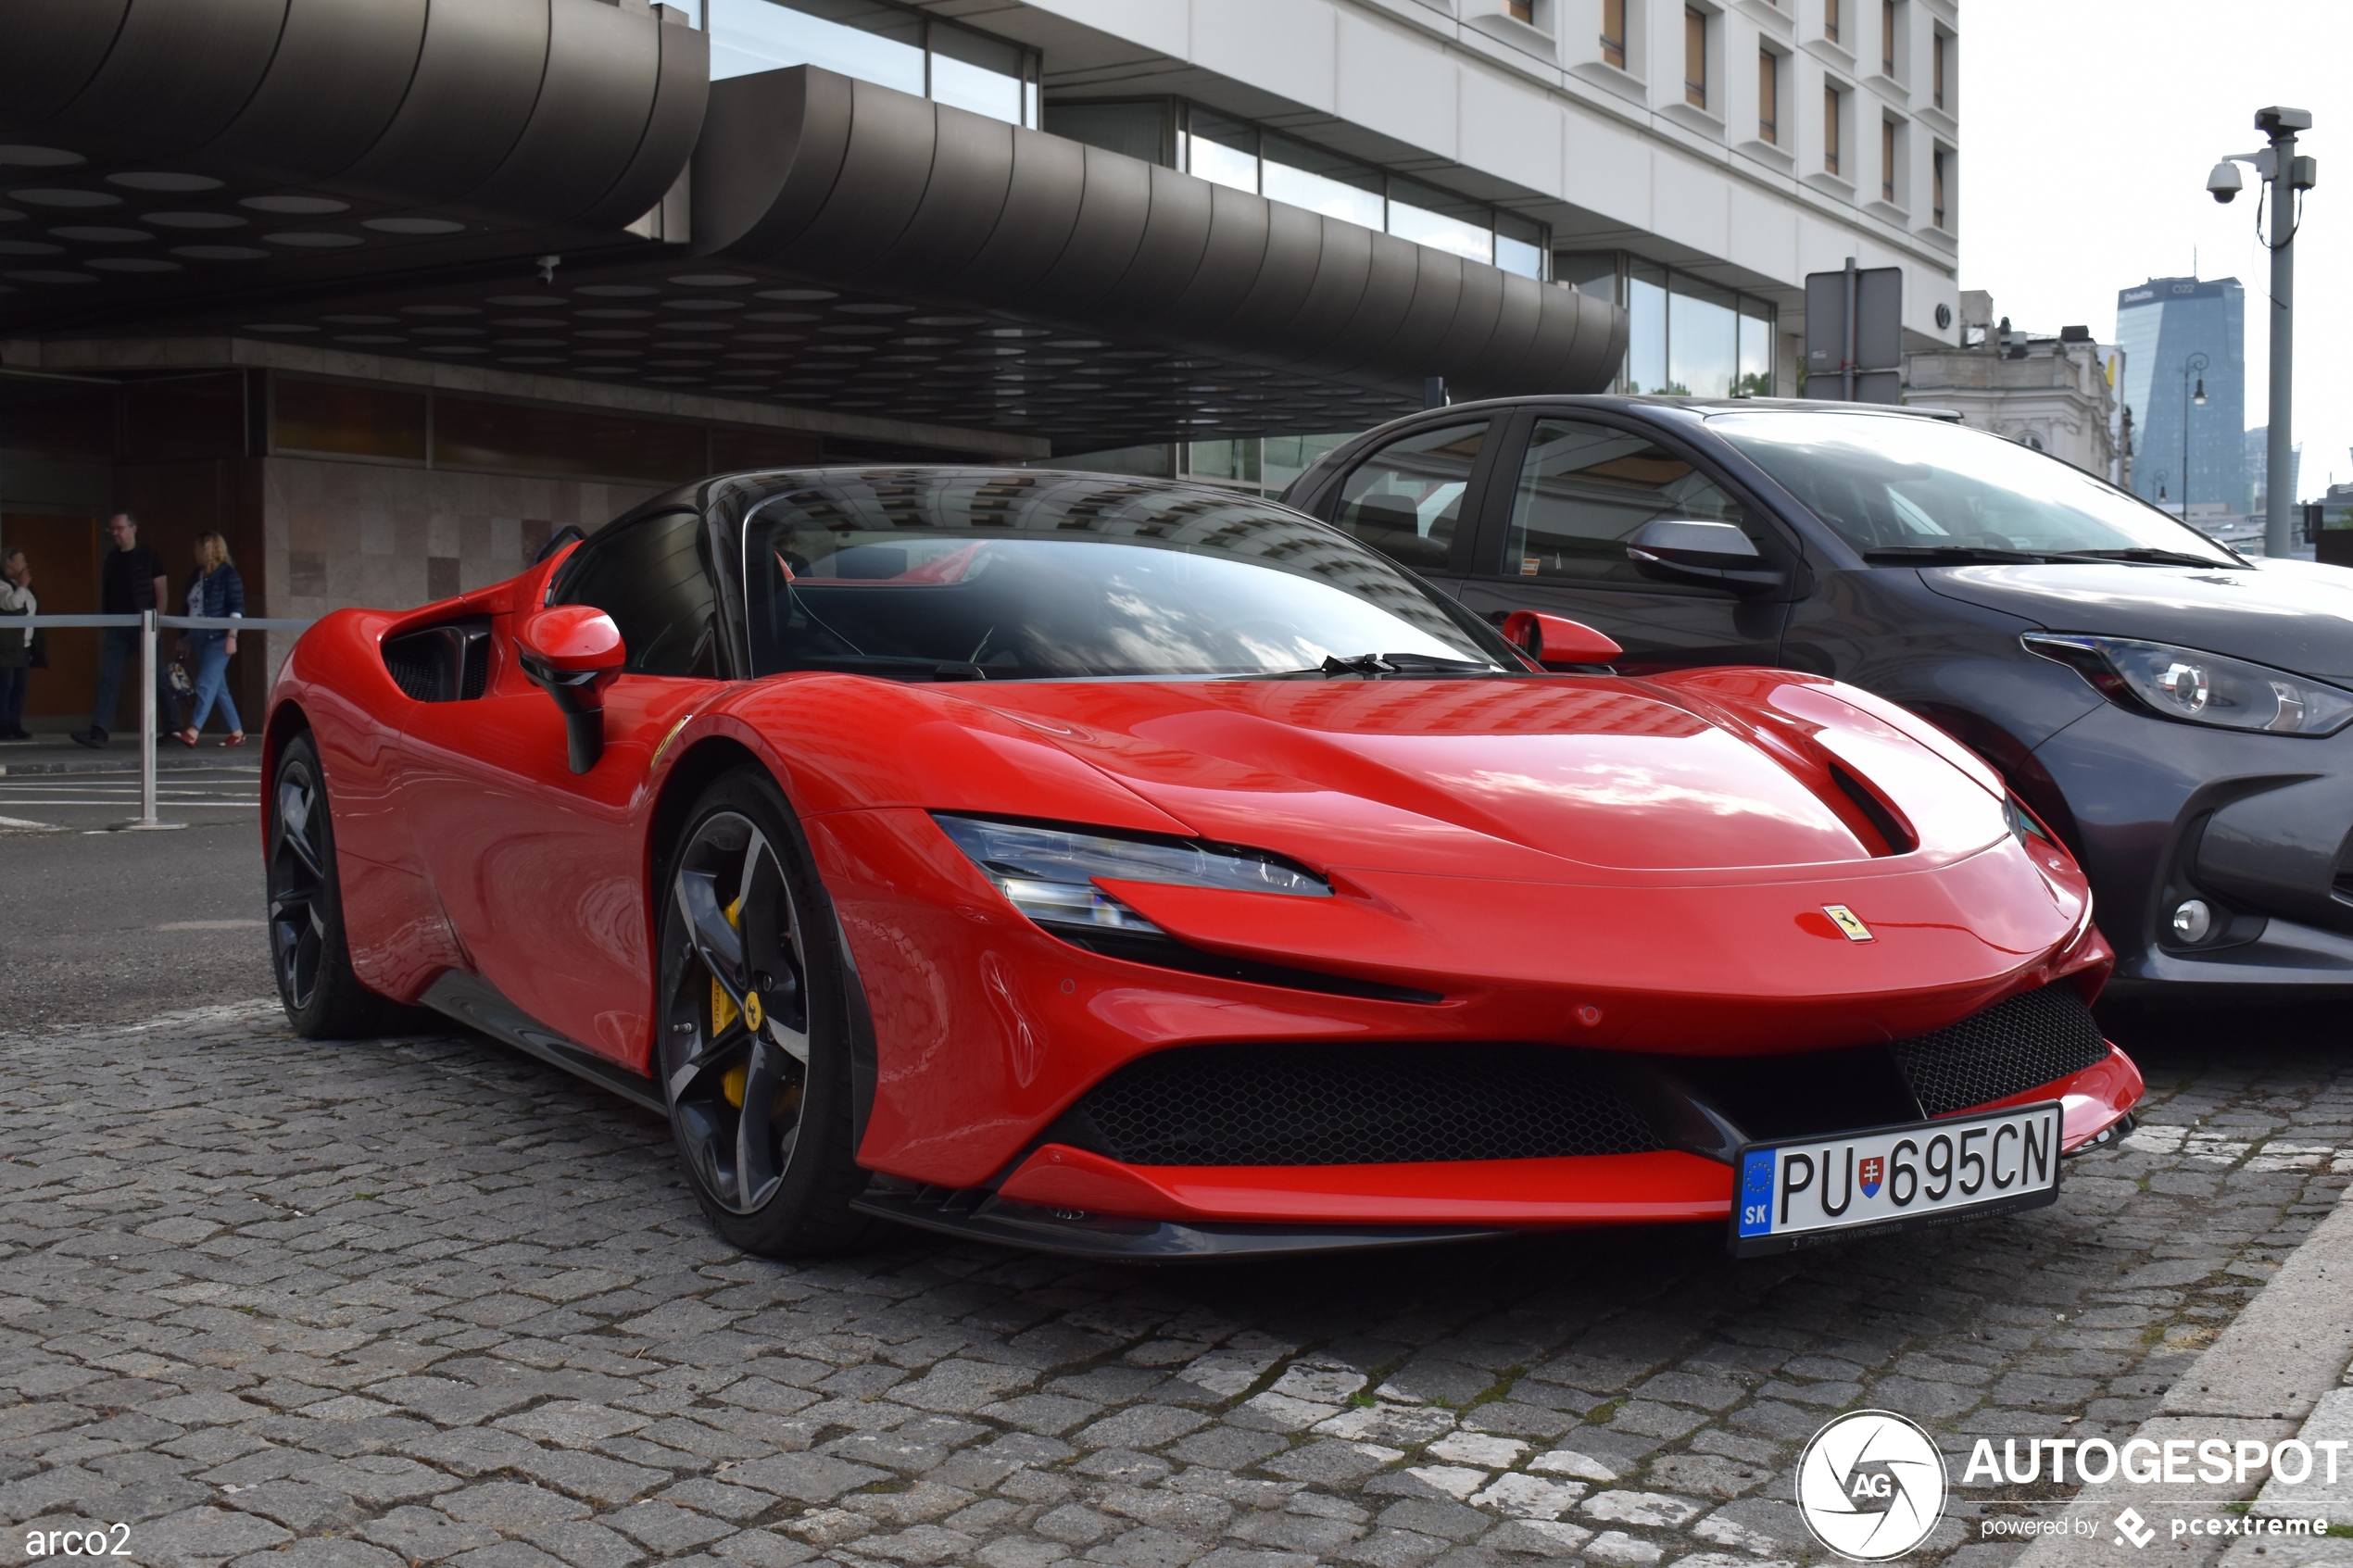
point(2010, 1047)
point(1361, 1105)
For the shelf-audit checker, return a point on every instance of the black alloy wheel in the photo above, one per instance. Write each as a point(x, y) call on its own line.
point(754, 1055)
point(322, 997)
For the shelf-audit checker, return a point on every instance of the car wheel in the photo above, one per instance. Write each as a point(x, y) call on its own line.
point(754, 1049)
point(324, 997)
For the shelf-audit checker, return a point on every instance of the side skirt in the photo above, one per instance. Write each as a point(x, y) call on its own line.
point(476, 1003)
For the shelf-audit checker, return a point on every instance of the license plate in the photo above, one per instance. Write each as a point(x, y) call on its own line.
point(1799, 1192)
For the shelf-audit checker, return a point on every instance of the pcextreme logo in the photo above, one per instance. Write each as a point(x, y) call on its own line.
point(1871, 1485)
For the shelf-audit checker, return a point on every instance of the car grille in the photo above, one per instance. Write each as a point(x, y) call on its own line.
point(2010, 1047)
point(1360, 1105)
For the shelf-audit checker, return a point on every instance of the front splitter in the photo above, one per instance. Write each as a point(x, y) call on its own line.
point(1078, 1234)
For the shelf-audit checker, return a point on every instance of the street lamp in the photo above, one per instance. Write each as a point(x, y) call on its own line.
point(2286, 173)
point(2195, 362)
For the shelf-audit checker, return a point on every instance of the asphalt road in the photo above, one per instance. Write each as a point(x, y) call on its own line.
point(101, 926)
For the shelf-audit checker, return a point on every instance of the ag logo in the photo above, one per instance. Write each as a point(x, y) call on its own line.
point(1871, 1485)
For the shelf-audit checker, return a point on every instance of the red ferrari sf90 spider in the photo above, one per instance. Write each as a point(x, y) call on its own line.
point(1145, 869)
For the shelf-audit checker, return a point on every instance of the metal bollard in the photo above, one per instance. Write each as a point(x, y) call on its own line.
point(148, 718)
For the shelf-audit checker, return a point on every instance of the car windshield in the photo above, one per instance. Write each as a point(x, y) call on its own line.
point(1895, 483)
point(957, 574)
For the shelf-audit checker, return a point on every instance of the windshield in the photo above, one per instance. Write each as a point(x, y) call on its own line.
point(946, 574)
point(1893, 482)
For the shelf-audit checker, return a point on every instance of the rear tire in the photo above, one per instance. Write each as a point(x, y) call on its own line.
point(752, 1019)
point(324, 997)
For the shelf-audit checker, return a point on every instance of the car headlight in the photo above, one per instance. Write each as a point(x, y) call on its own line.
point(1049, 873)
point(2199, 689)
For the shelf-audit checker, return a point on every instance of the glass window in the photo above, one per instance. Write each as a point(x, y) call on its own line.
point(1585, 489)
point(1406, 499)
point(1222, 151)
point(1695, 56)
point(1938, 71)
point(649, 576)
point(873, 43)
point(1519, 245)
point(1887, 160)
point(1703, 339)
point(1893, 481)
point(1232, 461)
point(1589, 272)
point(1138, 130)
point(1887, 37)
point(976, 73)
point(1647, 328)
point(1769, 97)
point(1830, 19)
point(1321, 182)
point(927, 574)
point(1614, 33)
point(1830, 129)
point(1439, 220)
point(1756, 350)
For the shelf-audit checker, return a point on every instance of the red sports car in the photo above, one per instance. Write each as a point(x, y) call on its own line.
point(1146, 870)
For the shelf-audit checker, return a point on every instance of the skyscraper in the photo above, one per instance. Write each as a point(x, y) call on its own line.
point(2160, 325)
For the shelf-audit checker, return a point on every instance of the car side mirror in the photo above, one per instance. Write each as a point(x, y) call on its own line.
point(1706, 555)
point(573, 651)
point(1557, 642)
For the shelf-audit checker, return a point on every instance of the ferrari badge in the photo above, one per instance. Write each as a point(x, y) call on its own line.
point(1849, 921)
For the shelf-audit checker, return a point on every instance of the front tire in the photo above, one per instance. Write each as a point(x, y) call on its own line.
point(309, 952)
point(753, 1050)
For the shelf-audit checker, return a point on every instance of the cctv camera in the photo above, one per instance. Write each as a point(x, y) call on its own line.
point(2223, 183)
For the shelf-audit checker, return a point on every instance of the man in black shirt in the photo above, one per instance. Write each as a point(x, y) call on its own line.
point(133, 581)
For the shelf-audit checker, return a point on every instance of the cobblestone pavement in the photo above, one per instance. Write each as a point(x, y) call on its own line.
point(308, 1306)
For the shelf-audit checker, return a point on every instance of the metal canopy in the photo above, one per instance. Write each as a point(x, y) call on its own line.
point(384, 175)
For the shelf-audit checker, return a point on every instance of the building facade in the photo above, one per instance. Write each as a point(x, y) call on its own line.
point(2055, 395)
point(387, 291)
point(2192, 456)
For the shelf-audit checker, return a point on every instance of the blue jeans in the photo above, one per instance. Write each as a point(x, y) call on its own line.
point(120, 646)
point(12, 684)
point(211, 649)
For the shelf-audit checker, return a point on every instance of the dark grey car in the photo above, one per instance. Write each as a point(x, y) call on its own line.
point(2176, 712)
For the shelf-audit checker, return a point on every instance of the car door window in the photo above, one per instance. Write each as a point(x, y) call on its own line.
point(652, 577)
point(1406, 499)
point(1585, 489)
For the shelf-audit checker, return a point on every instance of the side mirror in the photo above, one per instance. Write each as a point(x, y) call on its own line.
point(573, 651)
point(1557, 642)
point(1706, 555)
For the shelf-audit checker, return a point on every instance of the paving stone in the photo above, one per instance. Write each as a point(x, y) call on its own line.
point(524, 1348)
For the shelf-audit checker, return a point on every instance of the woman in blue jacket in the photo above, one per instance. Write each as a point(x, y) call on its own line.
point(214, 589)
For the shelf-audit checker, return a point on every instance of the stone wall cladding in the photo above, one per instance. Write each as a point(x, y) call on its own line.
point(390, 538)
point(290, 1305)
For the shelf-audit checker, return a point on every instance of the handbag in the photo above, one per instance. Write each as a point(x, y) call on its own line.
point(183, 683)
point(38, 655)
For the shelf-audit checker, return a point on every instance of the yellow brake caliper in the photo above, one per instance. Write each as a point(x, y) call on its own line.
point(722, 1013)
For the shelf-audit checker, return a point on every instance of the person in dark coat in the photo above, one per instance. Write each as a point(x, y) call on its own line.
point(215, 590)
point(132, 581)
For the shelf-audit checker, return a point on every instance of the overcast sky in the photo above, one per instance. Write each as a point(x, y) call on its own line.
point(2087, 129)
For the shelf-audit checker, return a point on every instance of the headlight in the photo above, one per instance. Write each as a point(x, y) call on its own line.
point(1049, 873)
point(2199, 689)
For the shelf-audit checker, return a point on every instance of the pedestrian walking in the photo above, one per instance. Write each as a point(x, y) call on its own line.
point(15, 647)
point(132, 581)
point(214, 590)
